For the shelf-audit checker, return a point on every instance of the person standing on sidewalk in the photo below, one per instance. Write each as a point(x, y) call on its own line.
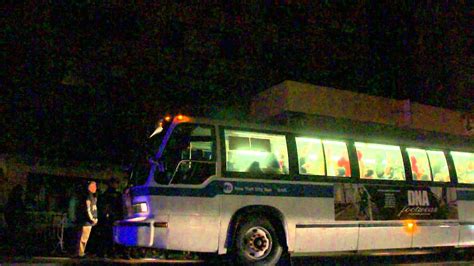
point(111, 210)
point(87, 217)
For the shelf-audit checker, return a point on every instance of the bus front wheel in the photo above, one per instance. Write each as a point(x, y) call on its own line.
point(257, 243)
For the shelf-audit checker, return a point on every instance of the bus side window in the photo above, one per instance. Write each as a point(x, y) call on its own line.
point(256, 153)
point(337, 158)
point(420, 167)
point(464, 164)
point(439, 166)
point(310, 156)
point(378, 161)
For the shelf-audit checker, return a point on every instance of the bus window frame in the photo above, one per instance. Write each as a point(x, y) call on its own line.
point(296, 171)
point(467, 185)
point(354, 160)
point(410, 172)
point(325, 178)
point(293, 169)
point(382, 181)
point(293, 166)
point(452, 172)
point(347, 142)
point(247, 175)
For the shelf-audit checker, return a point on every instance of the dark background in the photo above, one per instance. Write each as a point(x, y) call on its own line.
point(84, 81)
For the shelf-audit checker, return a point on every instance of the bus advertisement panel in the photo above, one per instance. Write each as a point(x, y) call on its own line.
point(376, 202)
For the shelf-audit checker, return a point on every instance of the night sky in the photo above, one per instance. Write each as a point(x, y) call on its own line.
point(84, 81)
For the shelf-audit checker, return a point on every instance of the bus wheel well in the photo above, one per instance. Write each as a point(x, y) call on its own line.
point(271, 213)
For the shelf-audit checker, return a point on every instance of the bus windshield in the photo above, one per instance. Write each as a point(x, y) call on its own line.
point(147, 153)
point(188, 156)
point(183, 153)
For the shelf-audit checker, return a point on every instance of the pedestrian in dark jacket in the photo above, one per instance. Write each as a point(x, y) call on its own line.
point(87, 217)
point(111, 210)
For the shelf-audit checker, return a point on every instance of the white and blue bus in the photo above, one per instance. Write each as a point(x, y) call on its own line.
point(262, 192)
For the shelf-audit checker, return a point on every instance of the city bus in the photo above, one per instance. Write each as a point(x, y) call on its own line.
point(262, 193)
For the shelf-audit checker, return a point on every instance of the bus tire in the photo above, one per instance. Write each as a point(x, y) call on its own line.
point(257, 243)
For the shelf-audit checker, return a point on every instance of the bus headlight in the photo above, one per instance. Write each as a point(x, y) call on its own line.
point(141, 207)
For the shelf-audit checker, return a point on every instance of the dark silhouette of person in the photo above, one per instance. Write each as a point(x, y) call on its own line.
point(273, 166)
point(302, 162)
point(110, 210)
point(254, 168)
point(369, 174)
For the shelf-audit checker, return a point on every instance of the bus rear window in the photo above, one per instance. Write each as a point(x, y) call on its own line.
point(382, 162)
point(256, 153)
point(464, 164)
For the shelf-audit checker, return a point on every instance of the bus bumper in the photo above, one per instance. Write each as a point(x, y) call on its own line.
point(146, 233)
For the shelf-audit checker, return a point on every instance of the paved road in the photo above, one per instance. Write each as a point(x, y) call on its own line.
point(405, 260)
point(295, 261)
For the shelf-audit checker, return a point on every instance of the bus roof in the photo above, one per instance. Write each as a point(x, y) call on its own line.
point(345, 129)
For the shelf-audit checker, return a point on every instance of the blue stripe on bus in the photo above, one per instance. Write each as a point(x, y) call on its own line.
point(465, 195)
point(240, 188)
point(338, 225)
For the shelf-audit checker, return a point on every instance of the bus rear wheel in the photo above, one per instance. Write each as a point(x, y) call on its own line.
point(257, 243)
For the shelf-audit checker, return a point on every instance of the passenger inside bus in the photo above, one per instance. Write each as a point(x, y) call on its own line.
point(362, 170)
point(273, 166)
point(440, 177)
point(254, 168)
point(311, 163)
point(344, 167)
point(418, 169)
point(382, 162)
point(369, 174)
point(282, 162)
point(380, 166)
point(440, 173)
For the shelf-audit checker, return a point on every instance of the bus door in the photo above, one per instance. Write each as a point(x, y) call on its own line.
point(193, 208)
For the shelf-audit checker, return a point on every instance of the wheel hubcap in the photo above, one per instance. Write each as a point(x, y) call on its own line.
point(257, 242)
